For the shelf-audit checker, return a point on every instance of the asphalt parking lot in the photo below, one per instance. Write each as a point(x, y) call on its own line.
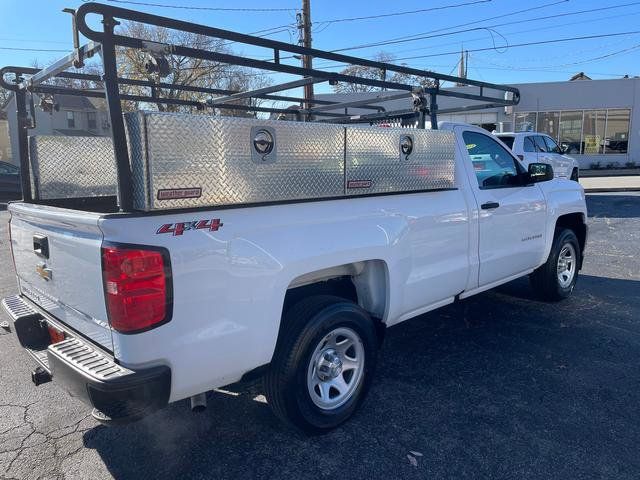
point(498, 386)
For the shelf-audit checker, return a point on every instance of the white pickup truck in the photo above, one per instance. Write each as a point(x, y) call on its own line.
point(190, 251)
point(531, 147)
point(170, 306)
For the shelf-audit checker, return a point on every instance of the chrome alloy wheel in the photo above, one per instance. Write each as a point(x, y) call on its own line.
point(566, 265)
point(336, 368)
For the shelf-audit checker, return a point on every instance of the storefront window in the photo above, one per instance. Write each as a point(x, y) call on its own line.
point(581, 131)
point(593, 132)
point(549, 122)
point(617, 136)
point(525, 122)
point(571, 131)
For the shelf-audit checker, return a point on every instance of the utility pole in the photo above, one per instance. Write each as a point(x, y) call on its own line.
point(304, 27)
point(462, 66)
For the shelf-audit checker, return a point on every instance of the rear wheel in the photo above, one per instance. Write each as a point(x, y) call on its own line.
point(555, 279)
point(323, 364)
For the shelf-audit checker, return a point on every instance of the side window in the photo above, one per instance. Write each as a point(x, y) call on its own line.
point(493, 164)
point(552, 146)
point(529, 145)
point(541, 147)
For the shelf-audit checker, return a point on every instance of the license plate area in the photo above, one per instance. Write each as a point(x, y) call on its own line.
point(37, 333)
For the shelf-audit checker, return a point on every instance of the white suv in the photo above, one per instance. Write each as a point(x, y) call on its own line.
point(532, 147)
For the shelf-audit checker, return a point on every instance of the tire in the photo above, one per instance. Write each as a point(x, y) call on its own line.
point(575, 176)
point(298, 384)
point(547, 281)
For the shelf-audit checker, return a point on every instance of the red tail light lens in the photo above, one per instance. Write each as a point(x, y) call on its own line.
point(137, 286)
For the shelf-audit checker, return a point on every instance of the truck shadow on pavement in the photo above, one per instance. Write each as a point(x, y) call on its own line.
point(499, 385)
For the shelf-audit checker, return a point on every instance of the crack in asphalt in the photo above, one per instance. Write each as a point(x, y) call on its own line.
point(51, 438)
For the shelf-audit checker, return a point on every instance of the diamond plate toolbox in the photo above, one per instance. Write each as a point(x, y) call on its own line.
point(71, 167)
point(376, 163)
point(184, 160)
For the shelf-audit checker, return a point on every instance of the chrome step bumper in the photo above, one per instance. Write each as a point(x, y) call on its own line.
point(87, 372)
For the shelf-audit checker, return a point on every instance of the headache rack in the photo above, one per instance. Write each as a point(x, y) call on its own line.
point(233, 160)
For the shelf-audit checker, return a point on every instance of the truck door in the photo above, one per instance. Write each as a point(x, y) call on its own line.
point(558, 161)
point(511, 215)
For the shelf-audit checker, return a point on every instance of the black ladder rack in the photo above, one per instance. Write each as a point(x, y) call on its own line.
point(107, 41)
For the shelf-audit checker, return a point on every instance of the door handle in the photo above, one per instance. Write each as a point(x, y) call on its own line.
point(489, 205)
point(41, 246)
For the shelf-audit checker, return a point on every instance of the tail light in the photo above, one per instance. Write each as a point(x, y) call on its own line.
point(137, 286)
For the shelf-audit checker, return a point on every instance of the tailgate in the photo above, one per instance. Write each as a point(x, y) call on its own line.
point(58, 263)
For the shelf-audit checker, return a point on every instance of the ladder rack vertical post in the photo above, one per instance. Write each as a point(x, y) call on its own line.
point(433, 110)
point(23, 142)
point(118, 134)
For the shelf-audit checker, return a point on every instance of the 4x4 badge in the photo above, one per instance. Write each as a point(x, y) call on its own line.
point(179, 228)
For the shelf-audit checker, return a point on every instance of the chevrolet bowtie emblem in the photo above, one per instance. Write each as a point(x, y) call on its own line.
point(43, 271)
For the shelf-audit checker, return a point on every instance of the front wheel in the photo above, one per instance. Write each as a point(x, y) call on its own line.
point(323, 364)
point(556, 279)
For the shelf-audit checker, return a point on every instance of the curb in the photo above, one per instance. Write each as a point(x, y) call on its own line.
point(614, 189)
point(610, 173)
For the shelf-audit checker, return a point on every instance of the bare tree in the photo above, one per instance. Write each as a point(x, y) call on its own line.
point(182, 70)
point(4, 96)
point(378, 74)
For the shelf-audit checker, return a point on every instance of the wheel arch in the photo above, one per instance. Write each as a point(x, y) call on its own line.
point(365, 283)
point(575, 222)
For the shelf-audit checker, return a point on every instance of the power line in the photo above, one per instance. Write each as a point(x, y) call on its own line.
point(355, 47)
point(542, 42)
point(26, 40)
point(216, 9)
point(393, 40)
point(427, 35)
point(397, 14)
point(580, 62)
point(518, 32)
point(527, 44)
point(18, 49)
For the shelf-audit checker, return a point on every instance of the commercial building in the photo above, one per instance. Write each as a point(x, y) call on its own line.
point(597, 121)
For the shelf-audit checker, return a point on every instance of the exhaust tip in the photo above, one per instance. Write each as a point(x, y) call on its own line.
point(199, 402)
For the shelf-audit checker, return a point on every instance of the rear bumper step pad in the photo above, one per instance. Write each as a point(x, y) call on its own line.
point(87, 372)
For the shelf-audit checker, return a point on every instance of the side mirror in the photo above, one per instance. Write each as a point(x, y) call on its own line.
point(540, 172)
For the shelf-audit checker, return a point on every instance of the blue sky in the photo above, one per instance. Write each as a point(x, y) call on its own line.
point(40, 24)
